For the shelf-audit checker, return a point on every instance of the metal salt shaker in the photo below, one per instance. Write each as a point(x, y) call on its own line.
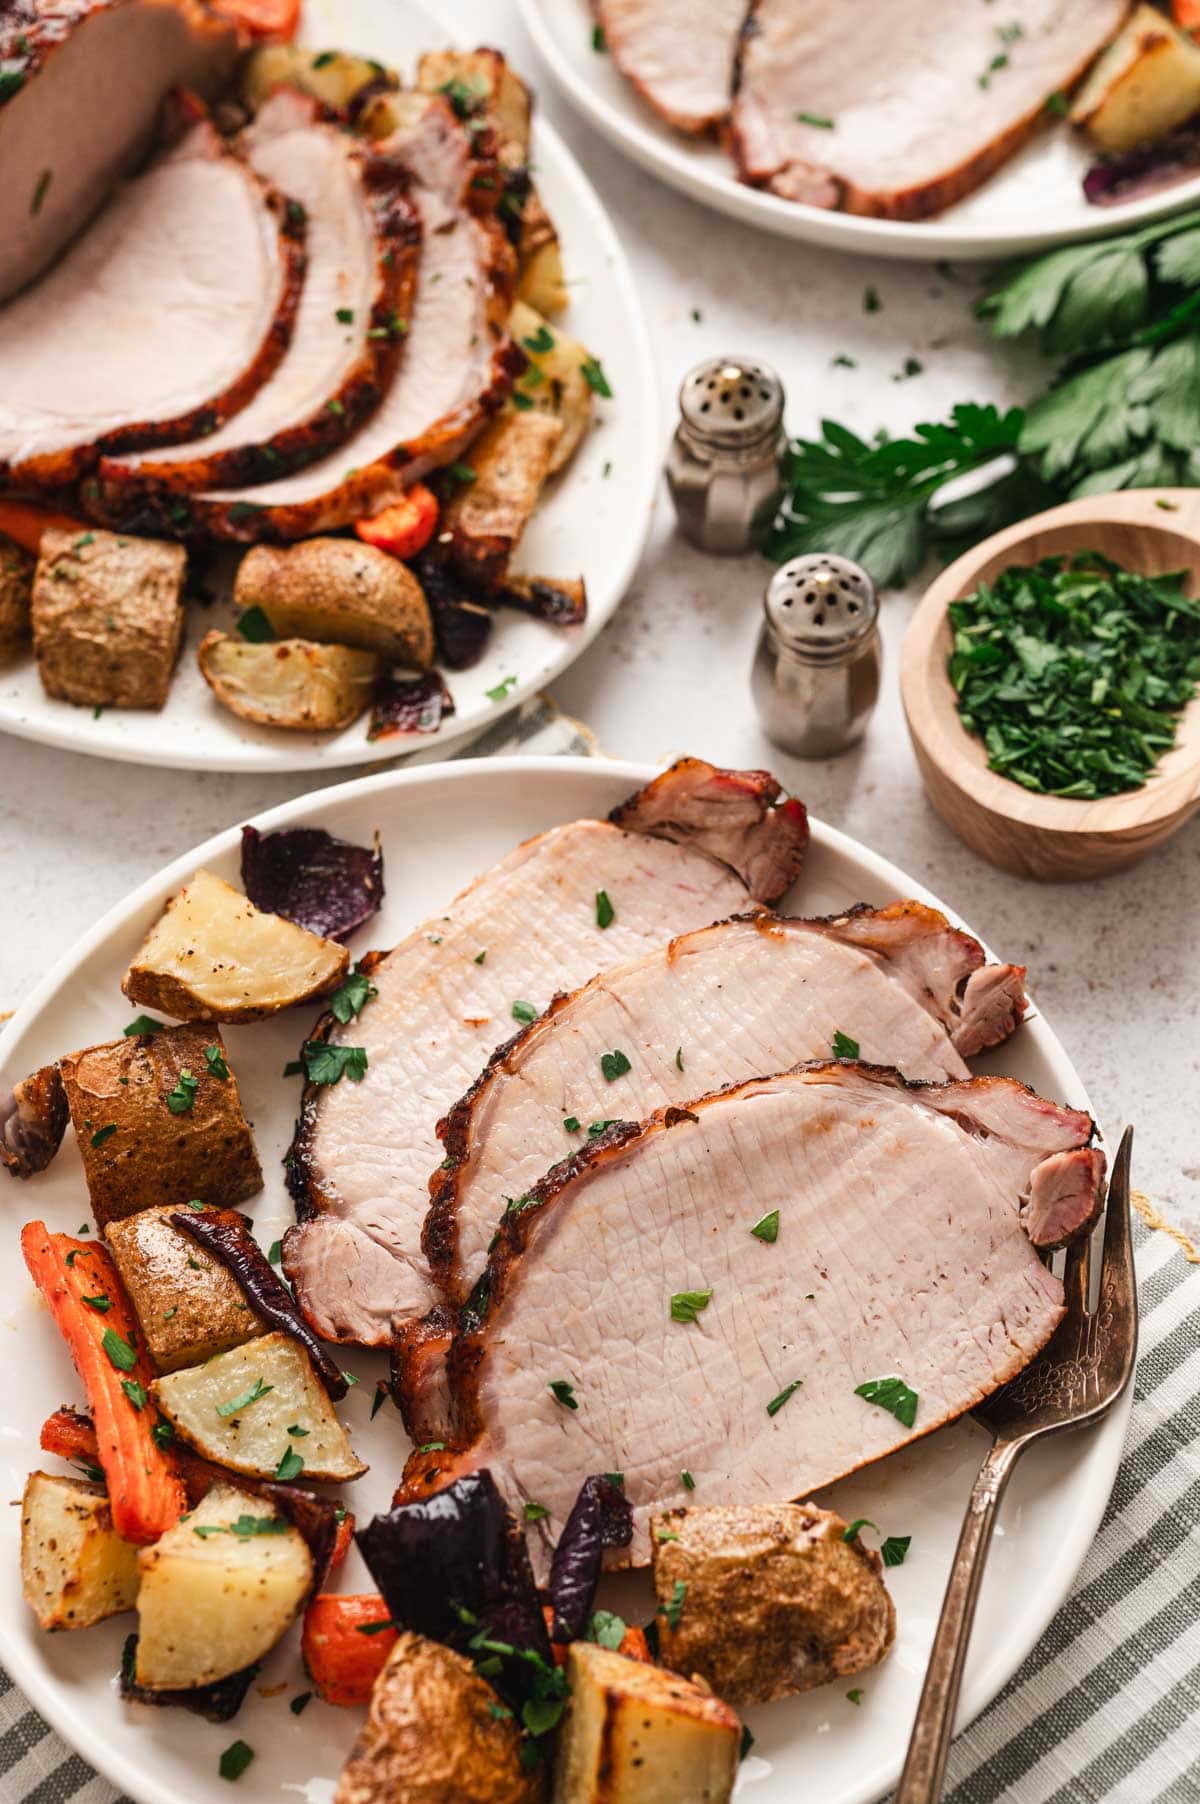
point(723, 464)
point(815, 677)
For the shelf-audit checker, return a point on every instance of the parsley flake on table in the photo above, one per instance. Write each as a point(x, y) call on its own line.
point(234, 1405)
point(563, 1392)
point(614, 1065)
point(844, 1047)
point(182, 1099)
point(606, 914)
point(350, 997)
point(686, 1305)
point(777, 1403)
point(214, 1058)
point(235, 1760)
point(891, 1394)
point(328, 1064)
point(120, 1353)
point(767, 1227)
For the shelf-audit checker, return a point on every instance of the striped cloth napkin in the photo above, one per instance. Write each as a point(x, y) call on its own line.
point(1108, 1704)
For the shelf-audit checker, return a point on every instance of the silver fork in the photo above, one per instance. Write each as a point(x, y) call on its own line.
point(1077, 1378)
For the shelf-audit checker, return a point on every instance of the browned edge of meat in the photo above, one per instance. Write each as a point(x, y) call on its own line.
point(739, 817)
point(124, 489)
point(418, 1378)
point(58, 468)
point(971, 981)
point(470, 1346)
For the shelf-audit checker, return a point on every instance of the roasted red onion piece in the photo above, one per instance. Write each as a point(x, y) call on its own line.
point(557, 603)
point(33, 1118)
point(305, 874)
point(223, 1233)
point(600, 1518)
point(1145, 169)
point(409, 705)
point(462, 625)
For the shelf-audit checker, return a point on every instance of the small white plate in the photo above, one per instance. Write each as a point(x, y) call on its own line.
point(441, 826)
point(1035, 201)
point(592, 523)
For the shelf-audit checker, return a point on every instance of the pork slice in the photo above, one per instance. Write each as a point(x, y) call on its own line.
point(360, 1161)
point(457, 364)
point(902, 111)
point(728, 1002)
point(741, 817)
point(679, 56)
point(900, 1253)
point(364, 239)
point(83, 83)
point(166, 316)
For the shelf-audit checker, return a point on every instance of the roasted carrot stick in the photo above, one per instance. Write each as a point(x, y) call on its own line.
point(83, 1289)
point(342, 1661)
point(405, 527)
point(263, 18)
point(70, 1435)
point(21, 521)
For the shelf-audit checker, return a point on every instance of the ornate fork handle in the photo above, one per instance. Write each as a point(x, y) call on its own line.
point(925, 1767)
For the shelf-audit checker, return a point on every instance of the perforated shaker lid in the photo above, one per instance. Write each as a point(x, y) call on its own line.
point(731, 401)
point(821, 603)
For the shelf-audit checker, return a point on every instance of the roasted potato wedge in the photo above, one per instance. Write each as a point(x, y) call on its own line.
point(482, 522)
point(139, 1147)
point(541, 278)
point(309, 688)
point(188, 1305)
point(218, 1591)
point(16, 599)
point(435, 1734)
point(554, 383)
point(107, 617)
point(333, 76)
point(484, 76)
point(75, 1570)
point(634, 1734)
point(1145, 84)
point(774, 1599)
point(271, 1382)
point(212, 956)
point(343, 592)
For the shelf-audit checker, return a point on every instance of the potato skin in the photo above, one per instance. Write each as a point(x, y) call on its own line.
point(430, 1736)
point(342, 592)
point(188, 1305)
point(777, 1601)
point(107, 617)
point(74, 1569)
point(16, 596)
point(156, 1157)
point(292, 683)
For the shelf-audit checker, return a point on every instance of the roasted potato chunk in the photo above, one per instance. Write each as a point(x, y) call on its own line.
point(16, 599)
point(767, 1599)
point(541, 278)
point(483, 78)
point(212, 956)
point(107, 617)
point(75, 1570)
point(218, 1591)
point(634, 1734)
point(554, 383)
point(155, 1124)
point(308, 688)
point(1145, 84)
point(188, 1305)
point(435, 1734)
point(343, 592)
point(483, 521)
point(272, 1385)
point(334, 77)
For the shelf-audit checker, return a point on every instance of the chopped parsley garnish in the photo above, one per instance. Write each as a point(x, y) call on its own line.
point(912, 366)
point(891, 1394)
point(182, 1099)
point(686, 1305)
point(300, 1702)
point(143, 1024)
point(375, 1628)
point(614, 1065)
point(871, 301)
point(275, 1254)
point(214, 1058)
point(563, 1393)
point(673, 1608)
point(747, 1741)
point(571, 1123)
point(135, 1392)
point(253, 625)
point(291, 1464)
point(294, 1068)
point(895, 1549)
point(686, 1480)
point(666, 1534)
point(502, 690)
point(78, 1253)
point(244, 1398)
point(235, 1760)
point(162, 1434)
point(777, 1403)
point(395, 327)
point(41, 189)
point(378, 1400)
point(679, 1058)
point(767, 1227)
point(851, 1533)
point(844, 1047)
point(169, 1315)
point(595, 378)
point(246, 1527)
point(344, 316)
point(94, 1473)
point(599, 45)
point(480, 956)
point(842, 362)
point(596, 1128)
point(350, 996)
point(120, 1353)
point(463, 473)
point(1057, 105)
point(524, 1011)
point(297, 1433)
point(540, 341)
point(500, 1713)
point(433, 1447)
point(101, 1305)
point(328, 1064)
point(855, 1696)
point(323, 59)
point(521, 402)
point(605, 912)
point(536, 1512)
point(820, 120)
point(605, 1629)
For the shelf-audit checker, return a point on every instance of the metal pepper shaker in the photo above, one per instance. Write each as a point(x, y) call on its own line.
point(815, 677)
point(723, 463)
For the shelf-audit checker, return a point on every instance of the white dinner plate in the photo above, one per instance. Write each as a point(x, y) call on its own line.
point(1035, 201)
point(592, 522)
point(441, 826)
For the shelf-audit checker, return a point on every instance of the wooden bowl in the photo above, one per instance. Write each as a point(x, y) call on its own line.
point(1150, 530)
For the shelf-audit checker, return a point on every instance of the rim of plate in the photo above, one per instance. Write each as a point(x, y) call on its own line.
point(915, 240)
point(44, 1693)
point(613, 579)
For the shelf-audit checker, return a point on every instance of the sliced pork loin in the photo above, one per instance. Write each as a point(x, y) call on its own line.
point(361, 1158)
point(83, 84)
point(738, 816)
point(758, 993)
point(899, 1253)
point(457, 363)
point(162, 319)
point(364, 238)
point(901, 116)
point(679, 56)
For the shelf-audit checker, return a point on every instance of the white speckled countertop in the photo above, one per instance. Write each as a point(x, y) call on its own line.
point(1114, 964)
